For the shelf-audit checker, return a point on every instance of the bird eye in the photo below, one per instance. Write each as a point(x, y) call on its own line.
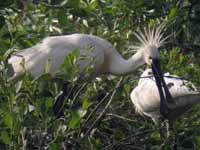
point(150, 57)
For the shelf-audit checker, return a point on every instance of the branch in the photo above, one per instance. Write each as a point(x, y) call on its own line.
point(105, 109)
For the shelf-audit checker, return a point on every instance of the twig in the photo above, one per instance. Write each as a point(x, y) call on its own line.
point(139, 134)
point(78, 91)
point(24, 140)
point(120, 117)
point(92, 112)
point(135, 135)
point(104, 110)
point(97, 106)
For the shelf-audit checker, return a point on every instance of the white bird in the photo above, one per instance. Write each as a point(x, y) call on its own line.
point(146, 99)
point(105, 58)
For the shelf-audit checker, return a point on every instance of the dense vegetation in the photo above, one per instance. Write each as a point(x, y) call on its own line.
point(101, 116)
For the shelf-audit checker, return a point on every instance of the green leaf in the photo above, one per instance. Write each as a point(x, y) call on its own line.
point(172, 13)
point(49, 103)
point(98, 142)
point(82, 112)
point(93, 4)
point(197, 141)
point(85, 23)
point(128, 88)
point(69, 69)
point(155, 135)
point(8, 53)
point(8, 119)
point(85, 104)
point(74, 120)
point(119, 135)
point(18, 86)
point(72, 4)
point(62, 18)
point(5, 137)
point(54, 146)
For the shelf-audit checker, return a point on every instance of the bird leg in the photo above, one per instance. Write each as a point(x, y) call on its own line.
point(60, 98)
point(171, 134)
point(68, 91)
point(174, 140)
point(165, 99)
point(164, 133)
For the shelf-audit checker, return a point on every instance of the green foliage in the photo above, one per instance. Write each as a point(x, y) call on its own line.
point(26, 113)
point(68, 70)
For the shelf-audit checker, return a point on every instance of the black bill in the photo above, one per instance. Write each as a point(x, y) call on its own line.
point(165, 96)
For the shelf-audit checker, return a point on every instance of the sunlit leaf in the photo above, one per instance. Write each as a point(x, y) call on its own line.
point(93, 4)
point(18, 86)
point(48, 103)
point(85, 23)
point(5, 137)
point(8, 119)
point(74, 120)
point(85, 104)
point(82, 112)
point(155, 135)
point(172, 13)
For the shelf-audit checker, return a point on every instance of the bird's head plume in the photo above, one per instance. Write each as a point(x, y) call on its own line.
point(150, 39)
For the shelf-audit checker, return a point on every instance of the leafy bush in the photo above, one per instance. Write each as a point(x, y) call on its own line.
point(27, 120)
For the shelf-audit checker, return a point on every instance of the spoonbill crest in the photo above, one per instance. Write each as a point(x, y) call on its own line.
point(147, 102)
point(105, 58)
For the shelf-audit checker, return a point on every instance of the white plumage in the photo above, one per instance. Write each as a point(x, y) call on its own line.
point(105, 58)
point(146, 99)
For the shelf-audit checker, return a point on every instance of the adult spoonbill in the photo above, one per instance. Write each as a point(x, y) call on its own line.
point(105, 58)
point(147, 102)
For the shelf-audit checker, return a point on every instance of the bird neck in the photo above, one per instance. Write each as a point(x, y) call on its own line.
point(122, 66)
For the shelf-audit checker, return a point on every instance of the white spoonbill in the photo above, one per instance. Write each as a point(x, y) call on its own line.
point(146, 99)
point(105, 58)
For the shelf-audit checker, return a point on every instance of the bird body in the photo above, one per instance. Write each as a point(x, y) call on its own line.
point(146, 99)
point(52, 50)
